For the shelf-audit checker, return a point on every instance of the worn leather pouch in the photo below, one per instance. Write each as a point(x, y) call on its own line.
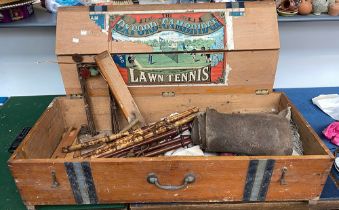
point(246, 134)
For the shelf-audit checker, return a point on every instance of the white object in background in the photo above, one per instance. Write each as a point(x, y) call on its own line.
point(192, 151)
point(336, 163)
point(328, 104)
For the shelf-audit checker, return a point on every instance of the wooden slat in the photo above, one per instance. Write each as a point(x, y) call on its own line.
point(312, 144)
point(126, 182)
point(250, 70)
point(118, 87)
point(66, 140)
point(219, 179)
point(304, 179)
point(155, 107)
point(118, 180)
point(70, 155)
point(74, 113)
point(45, 135)
point(257, 29)
point(320, 205)
point(34, 181)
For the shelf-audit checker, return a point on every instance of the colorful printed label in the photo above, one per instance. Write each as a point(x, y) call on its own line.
point(172, 68)
point(186, 45)
point(171, 32)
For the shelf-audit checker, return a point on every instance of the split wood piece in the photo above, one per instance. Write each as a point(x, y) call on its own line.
point(169, 134)
point(118, 87)
point(68, 138)
point(139, 131)
point(130, 140)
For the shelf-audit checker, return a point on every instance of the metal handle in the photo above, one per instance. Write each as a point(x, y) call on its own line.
point(153, 179)
point(55, 182)
point(283, 174)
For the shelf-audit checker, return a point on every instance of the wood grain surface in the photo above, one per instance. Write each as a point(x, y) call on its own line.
point(257, 29)
point(250, 71)
point(118, 87)
point(119, 180)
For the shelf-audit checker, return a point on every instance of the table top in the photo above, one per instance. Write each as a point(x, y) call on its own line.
point(20, 112)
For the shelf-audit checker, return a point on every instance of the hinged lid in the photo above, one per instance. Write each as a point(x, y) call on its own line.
point(216, 47)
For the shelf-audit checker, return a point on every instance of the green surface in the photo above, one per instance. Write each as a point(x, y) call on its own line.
point(17, 113)
point(163, 61)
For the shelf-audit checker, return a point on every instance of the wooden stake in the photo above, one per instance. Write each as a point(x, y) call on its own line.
point(118, 87)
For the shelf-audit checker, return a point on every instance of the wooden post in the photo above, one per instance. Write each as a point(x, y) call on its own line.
point(111, 74)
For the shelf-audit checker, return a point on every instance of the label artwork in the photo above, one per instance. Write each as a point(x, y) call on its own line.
point(172, 68)
point(186, 46)
point(171, 32)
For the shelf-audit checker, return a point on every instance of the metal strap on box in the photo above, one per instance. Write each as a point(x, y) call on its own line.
point(81, 180)
point(258, 179)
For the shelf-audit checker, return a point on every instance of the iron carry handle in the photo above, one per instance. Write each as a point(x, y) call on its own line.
point(153, 179)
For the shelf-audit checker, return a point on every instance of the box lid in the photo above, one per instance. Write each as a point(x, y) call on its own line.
point(85, 30)
point(236, 43)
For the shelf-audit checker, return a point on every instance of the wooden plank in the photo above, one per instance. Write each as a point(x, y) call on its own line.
point(320, 205)
point(304, 179)
point(122, 180)
point(45, 135)
point(118, 87)
point(74, 113)
point(312, 144)
point(66, 140)
point(241, 80)
point(70, 155)
point(117, 181)
point(259, 23)
point(34, 181)
point(155, 107)
point(221, 179)
point(225, 206)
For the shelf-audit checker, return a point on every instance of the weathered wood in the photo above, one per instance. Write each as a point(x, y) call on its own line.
point(70, 155)
point(155, 107)
point(304, 179)
point(312, 144)
point(44, 137)
point(66, 140)
point(34, 181)
point(241, 80)
point(321, 205)
point(259, 24)
point(221, 179)
point(118, 87)
point(252, 66)
point(73, 112)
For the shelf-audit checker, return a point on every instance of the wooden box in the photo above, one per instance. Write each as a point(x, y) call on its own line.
point(250, 53)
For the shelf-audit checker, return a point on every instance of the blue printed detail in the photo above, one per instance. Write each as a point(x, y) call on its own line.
point(120, 60)
point(99, 19)
point(236, 14)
